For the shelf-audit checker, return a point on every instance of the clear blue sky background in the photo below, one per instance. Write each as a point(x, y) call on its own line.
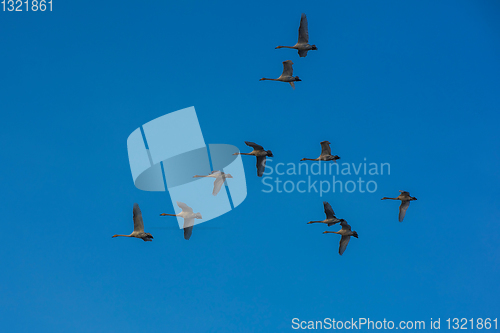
point(414, 84)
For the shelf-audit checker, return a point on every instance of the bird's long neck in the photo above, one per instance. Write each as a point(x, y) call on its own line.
point(386, 198)
point(199, 176)
point(309, 159)
point(265, 78)
point(285, 47)
point(315, 222)
point(167, 214)
point(122, 236)
point(331, 232)
point(242, 154)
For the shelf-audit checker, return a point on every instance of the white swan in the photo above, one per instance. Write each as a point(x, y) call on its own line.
point(326, 154)
point(220, 178)
point(330, 216)
point(346, 235)
point(260, 153)
point(287, 75)
point(303, 44)
point(138, 226)
point(405, 203)
point(189, 216)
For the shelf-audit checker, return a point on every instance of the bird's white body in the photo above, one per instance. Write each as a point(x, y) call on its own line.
point(188, 215)
point(259, 153)
point(300, 47)
point(286, 78)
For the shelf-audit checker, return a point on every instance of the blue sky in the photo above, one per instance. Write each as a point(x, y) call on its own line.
point(414, 84)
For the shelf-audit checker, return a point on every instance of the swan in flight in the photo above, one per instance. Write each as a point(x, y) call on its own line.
point(260, 153)
point(189, 216)
point(405, 203)
point(138, 226)
point(330, 216)
point(346, 235)
point(220, 178)
point(287, 75)
point(326, 154)
point(303, 44)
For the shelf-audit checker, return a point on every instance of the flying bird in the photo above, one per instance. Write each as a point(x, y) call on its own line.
point(346, 235)
point(287, 75)
point(138, 226)
point(330, 216)
point(405, 203)
point(260, 153)
point(189, 216)
point(220, 178)
point(326, 154)
point(303, 44)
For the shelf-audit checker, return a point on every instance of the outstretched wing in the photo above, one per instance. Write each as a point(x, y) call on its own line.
point(343, 243)
point(287, 68)
point(184, 207)
point(292, 84)
point(188, 232)
point(402, 209)
point(345, 225)
point(330, 214)
point(219, 181)
point(138, 223)
point(188, 228)
point(325, 148)
point(254, 145)
point(303, 30)
point(303, 53)
point(261, 165)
